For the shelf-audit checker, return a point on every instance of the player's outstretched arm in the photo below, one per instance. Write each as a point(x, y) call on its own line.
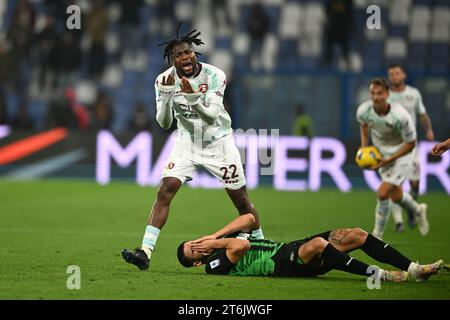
point(440, 148)
point(245, 222)
point(164, 91)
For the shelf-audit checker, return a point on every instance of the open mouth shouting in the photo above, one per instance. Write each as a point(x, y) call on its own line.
point(188, 67)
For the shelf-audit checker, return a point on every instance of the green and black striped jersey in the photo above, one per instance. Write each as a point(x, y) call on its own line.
point(256, 262)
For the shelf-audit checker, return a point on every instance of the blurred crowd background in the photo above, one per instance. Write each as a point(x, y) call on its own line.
point(301, 66)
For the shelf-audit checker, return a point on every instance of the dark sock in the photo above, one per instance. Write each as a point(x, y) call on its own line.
point(414, 194)
point(333, 258)
point(383, 252)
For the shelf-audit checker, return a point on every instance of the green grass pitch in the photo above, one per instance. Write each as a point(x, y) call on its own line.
point(45, 226)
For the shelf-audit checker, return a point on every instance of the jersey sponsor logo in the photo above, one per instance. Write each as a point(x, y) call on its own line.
point(170, 165)
point(187, 112)
point(190, 115)
point(214, 264)
point(203, 87)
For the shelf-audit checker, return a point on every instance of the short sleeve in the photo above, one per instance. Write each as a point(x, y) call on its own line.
point(360, 115)
point(219, 263)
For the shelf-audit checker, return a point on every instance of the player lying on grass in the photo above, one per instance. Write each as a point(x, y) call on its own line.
point(240, 254)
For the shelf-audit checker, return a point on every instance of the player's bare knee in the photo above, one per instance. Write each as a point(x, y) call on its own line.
point(359, 235)
point(166, 192)
point(396, 198)
point(383, 195)
point(318, 244)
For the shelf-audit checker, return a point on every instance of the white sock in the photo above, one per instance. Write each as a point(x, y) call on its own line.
point(149, 241)
point(413, 270)
point(380, 273)
point(258, 234)
point(381, 216)
point(409, 203)
point(396, 211)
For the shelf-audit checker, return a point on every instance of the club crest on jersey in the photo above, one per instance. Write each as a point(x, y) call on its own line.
point(292, 256)
point(214, 264)
point(203, 87)
point(409, 98)
point(170, 165)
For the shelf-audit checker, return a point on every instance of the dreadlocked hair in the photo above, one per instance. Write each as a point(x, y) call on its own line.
point(190, 38)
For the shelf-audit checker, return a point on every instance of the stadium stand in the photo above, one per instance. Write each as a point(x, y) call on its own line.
point(414, 32)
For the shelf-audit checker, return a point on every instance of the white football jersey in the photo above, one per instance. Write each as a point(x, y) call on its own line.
point(388, 132)
point(411, 99)
point(211, 81)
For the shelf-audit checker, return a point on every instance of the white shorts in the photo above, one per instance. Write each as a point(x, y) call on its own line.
point(221, 158)
point(414, 172)
point(396, 172)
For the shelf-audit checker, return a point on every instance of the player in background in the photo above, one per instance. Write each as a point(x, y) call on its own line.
point(393, 133)
point(440, 147)
point(411, 99)
point(193, 93)
point(229, 252)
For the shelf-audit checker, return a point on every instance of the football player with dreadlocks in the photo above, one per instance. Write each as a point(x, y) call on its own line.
point(192, 92)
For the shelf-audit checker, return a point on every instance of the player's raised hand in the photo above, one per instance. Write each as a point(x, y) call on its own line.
point(169, 81)
point(208, 237)
point(186, 86)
